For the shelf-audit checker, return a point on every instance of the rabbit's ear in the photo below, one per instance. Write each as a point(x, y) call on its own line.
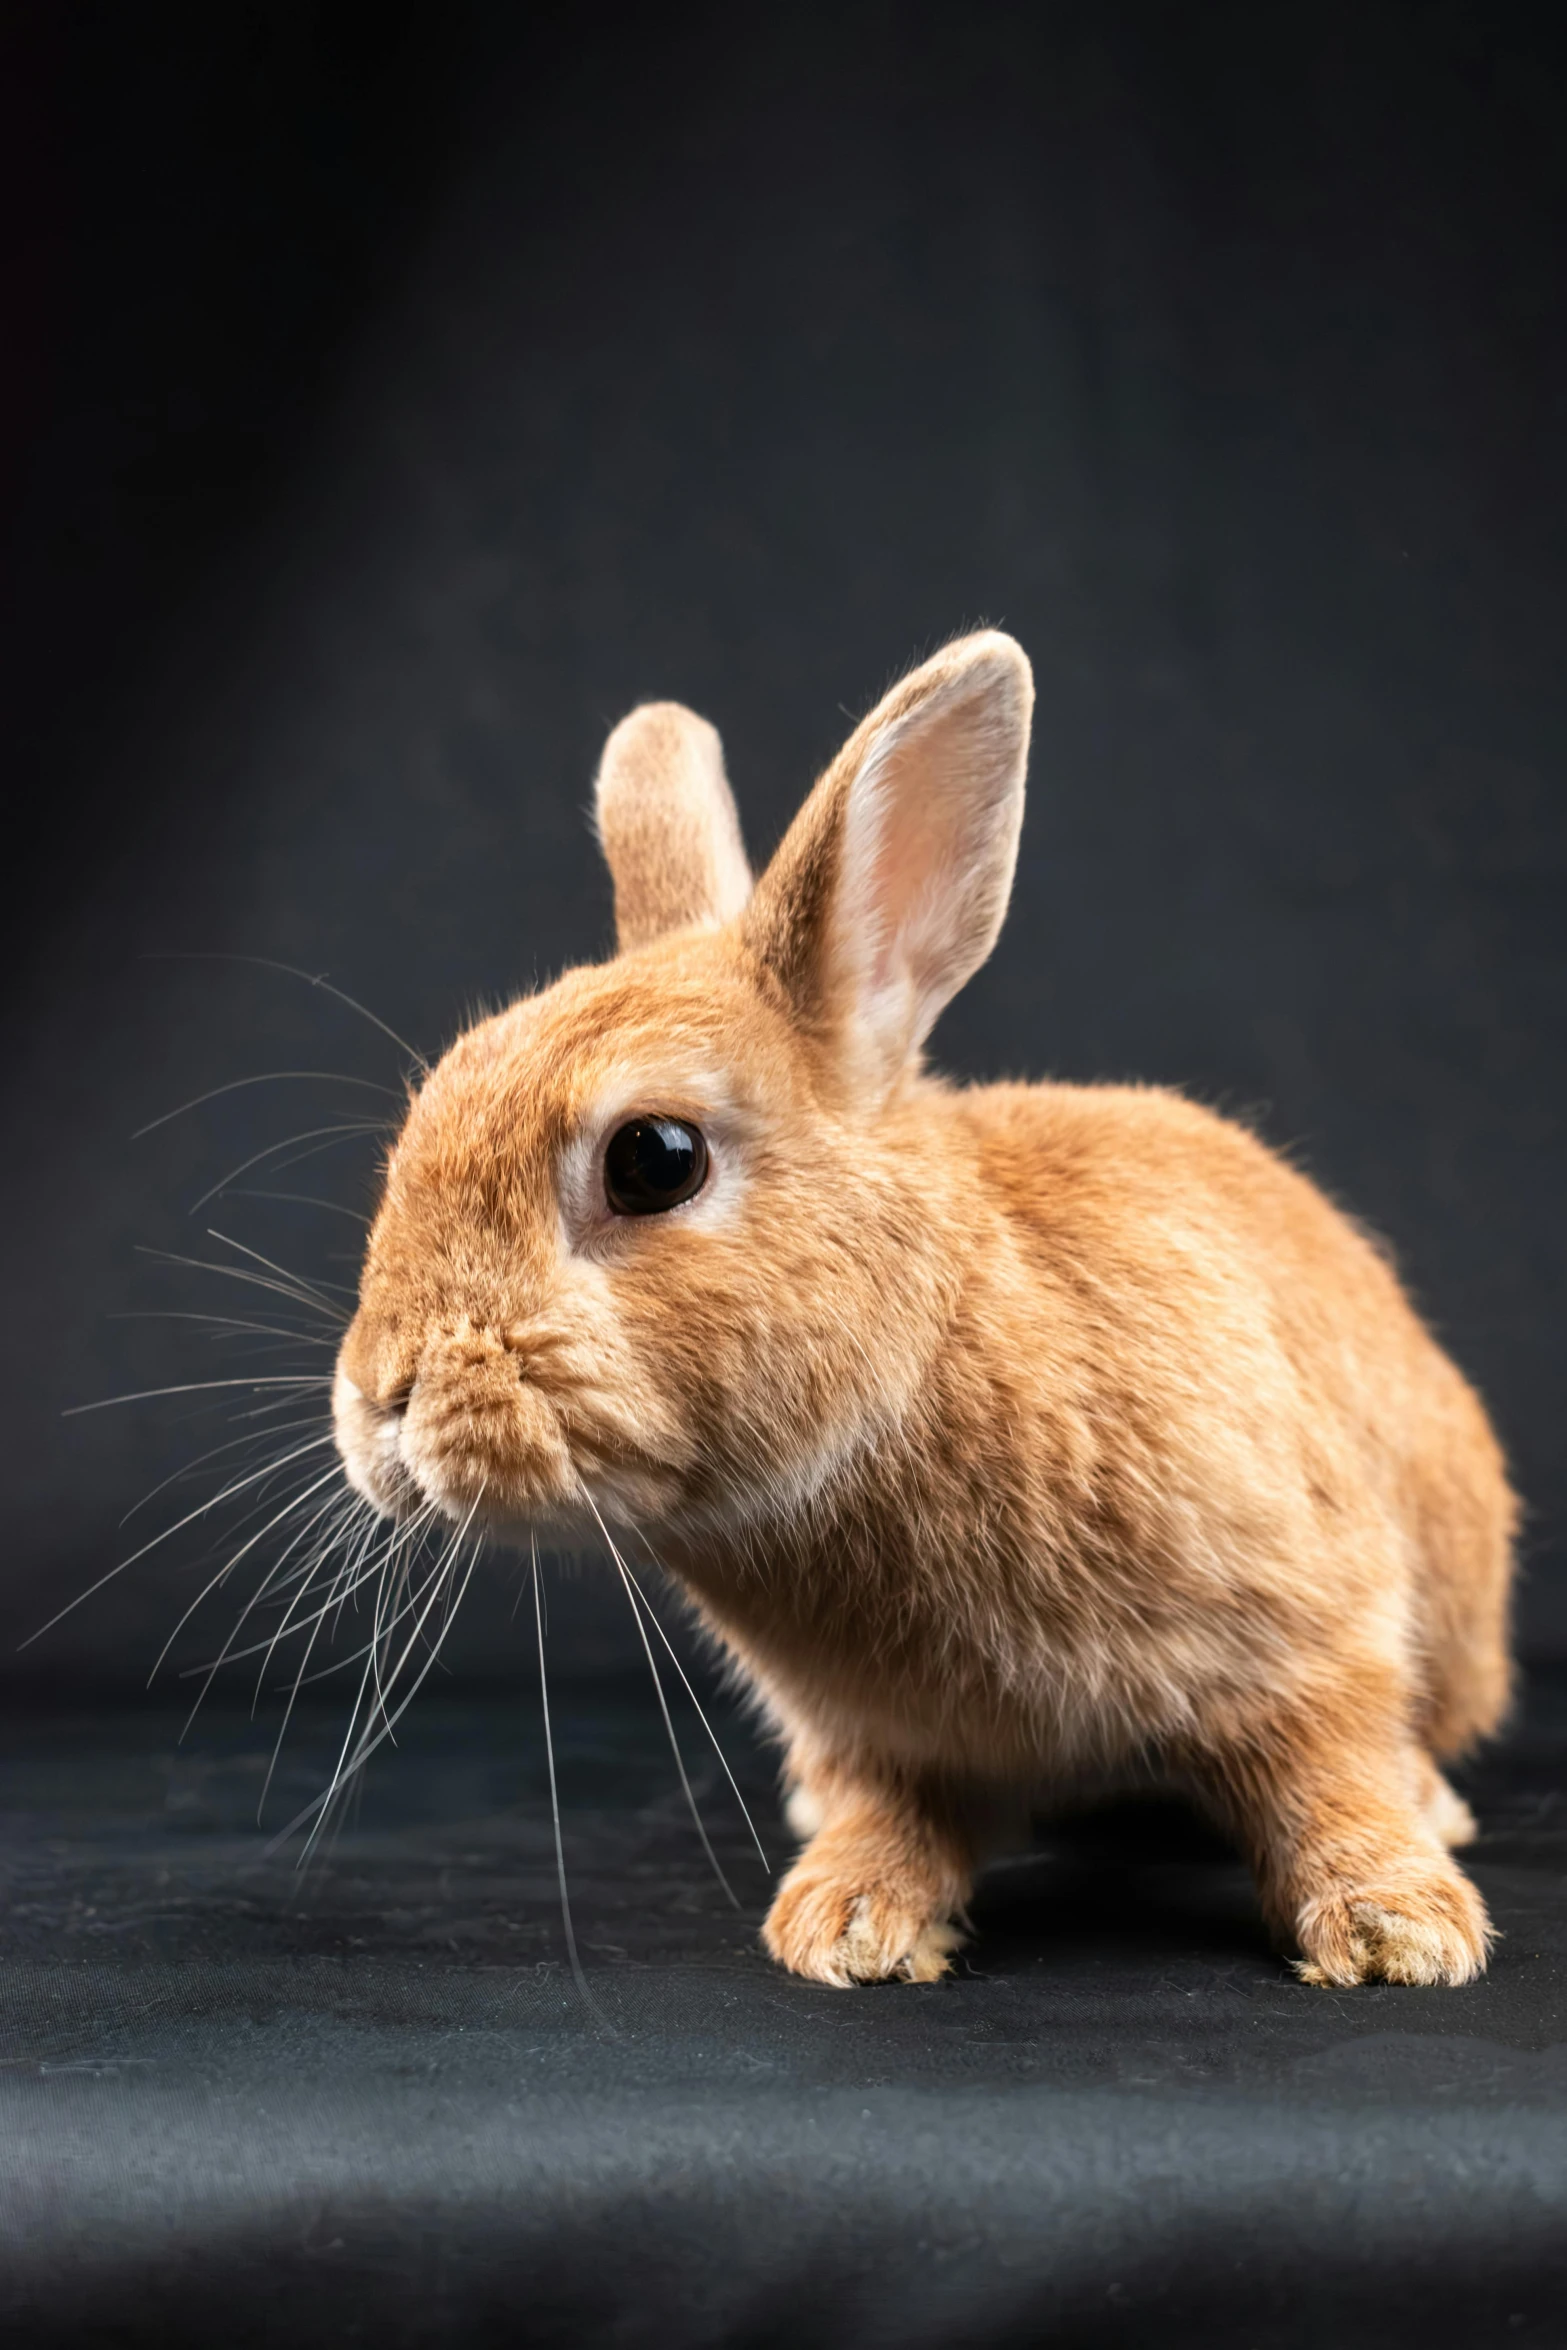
point(667, 825)
point(892, 883)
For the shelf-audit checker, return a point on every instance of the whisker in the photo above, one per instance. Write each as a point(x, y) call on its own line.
point(405, 1541)
point(391, 1582)
point(297, 1501)
point(288, 1713)
point(203, 1510)
point(260, 1411)
point(316, 979)
point(189, 1468)
point(346, 1583)
point(690, 1692)
point(368, 1744)
point(301, 1199)
point(663, 1707)
point(288, 1710)
point(340, 1511)
point(314, 1150)
point(268, 1077)
point(579, 1975)
point(165, 1256)
point(272, 1581)
point(350, 1522)
point(674, 1747)
point(322, 1803)
point(193, 1387)
point(315, 1291)
point(223, 1322)
point(258, 1158)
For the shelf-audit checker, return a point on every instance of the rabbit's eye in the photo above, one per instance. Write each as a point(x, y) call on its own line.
point(653, 1164)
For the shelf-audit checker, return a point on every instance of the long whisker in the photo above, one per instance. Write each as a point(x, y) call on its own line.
point(674, 1747)
point(311, 1289)
point(273, 1581)
point(288, 1710)
point(348, 1126)
point(297, 1150)
point(204, 1509)
point(674, 1743)
point(351, 1580)
point(193, 1387)
point(297, 1501)
point(391, 1581)
point(346, 1581)
point(261, 1411)
point(165, 1256)
point(316, 979)
point(690, 1692)
point(189, 1468)
point(355, 1526)
point(346, 1767)
point(321, 1802)
point(268, 1077)
point(223, 1322)
point(300, 1199)
point(340, 1513)
point(579, 1975)
point(368, 1744)
point(269, 1583)
point(351, 1573)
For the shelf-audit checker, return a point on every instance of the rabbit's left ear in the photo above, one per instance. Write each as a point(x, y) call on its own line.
point(891, 885)
point(667, 825)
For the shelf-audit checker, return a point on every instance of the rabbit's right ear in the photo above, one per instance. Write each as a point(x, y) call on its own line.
point(667, 825)
point(890, 886)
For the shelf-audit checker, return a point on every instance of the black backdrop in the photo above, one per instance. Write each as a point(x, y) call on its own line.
point(398, 400)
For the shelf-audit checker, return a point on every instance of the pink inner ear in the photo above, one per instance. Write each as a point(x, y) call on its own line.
point(914, 848)
point(940, 800)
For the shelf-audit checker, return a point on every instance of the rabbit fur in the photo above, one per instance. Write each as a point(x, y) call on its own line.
point(1003, 1435)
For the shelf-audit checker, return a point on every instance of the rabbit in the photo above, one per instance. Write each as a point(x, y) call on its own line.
point(1001, 1435)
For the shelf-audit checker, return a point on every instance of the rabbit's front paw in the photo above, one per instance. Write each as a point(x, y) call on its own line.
point(845, 1933)
point(1432, 1929)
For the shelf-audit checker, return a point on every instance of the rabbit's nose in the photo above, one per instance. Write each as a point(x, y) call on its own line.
point(380, 1361)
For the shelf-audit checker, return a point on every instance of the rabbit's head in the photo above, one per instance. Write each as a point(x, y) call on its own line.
point(675, 1236)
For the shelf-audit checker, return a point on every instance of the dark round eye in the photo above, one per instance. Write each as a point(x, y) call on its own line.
point(653, 1164)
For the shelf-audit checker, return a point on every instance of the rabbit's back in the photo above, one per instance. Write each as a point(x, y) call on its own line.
point(1213, 1287)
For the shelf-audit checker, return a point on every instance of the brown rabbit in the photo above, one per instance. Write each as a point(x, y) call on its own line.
point(1004, 1435)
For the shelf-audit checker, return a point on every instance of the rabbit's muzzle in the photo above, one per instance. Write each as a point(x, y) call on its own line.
point(473, 1434)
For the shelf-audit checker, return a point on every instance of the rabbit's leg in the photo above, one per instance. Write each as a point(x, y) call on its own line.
point(1340, 1819)
point(1447, 1814)
point(871, 1898)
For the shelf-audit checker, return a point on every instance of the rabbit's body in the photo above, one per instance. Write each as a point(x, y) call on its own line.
point(1177, 1449)
point(1184, 1466)
point(1005, 1436)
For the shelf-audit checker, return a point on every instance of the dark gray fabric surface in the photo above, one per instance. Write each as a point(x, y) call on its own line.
point(364, 2102)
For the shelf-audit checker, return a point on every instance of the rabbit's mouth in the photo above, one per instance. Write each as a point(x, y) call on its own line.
point(478, 1441)
point(470, 1438)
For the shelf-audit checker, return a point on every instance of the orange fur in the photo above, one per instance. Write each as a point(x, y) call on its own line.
point(1003, 1435)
